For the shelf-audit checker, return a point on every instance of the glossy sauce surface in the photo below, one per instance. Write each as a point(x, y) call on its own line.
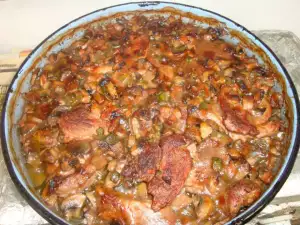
point(149, 120)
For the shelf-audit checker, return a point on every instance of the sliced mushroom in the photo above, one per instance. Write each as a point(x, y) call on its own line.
point(71, 206)
point(205, 207)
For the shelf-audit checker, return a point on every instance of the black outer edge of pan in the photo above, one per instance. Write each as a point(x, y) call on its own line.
point(240, 219)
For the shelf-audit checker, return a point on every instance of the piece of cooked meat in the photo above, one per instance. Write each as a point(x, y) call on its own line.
point(206, 151)
point(76, 182)
point(139, 45)
point(175, 166)
point(110, 208)
point(237, 124)
point(207, 49)
point(234, 118)
point(78, 124)
point(268, 128)
point(126, 210)
point(243, 193)
point(143, 166)
point(171, 142)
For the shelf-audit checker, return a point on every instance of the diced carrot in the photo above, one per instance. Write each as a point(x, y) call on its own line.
point(184, 39)
point(51, 168)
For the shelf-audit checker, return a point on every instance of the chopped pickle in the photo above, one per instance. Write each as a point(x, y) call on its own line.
point(37, 175)
point(112, 139)
point(141, 191)
point(217, 164)
point(126, 79)
point(112, 90)
point(205, 207)
point(179, 49)
point(163, 96)
point(203, 105)
point(205, 130)
point(100, 133)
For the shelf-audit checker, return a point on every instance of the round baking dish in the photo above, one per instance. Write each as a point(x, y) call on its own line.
point(13, 105)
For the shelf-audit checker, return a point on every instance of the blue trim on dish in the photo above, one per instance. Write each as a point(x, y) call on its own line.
point(291, 91)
